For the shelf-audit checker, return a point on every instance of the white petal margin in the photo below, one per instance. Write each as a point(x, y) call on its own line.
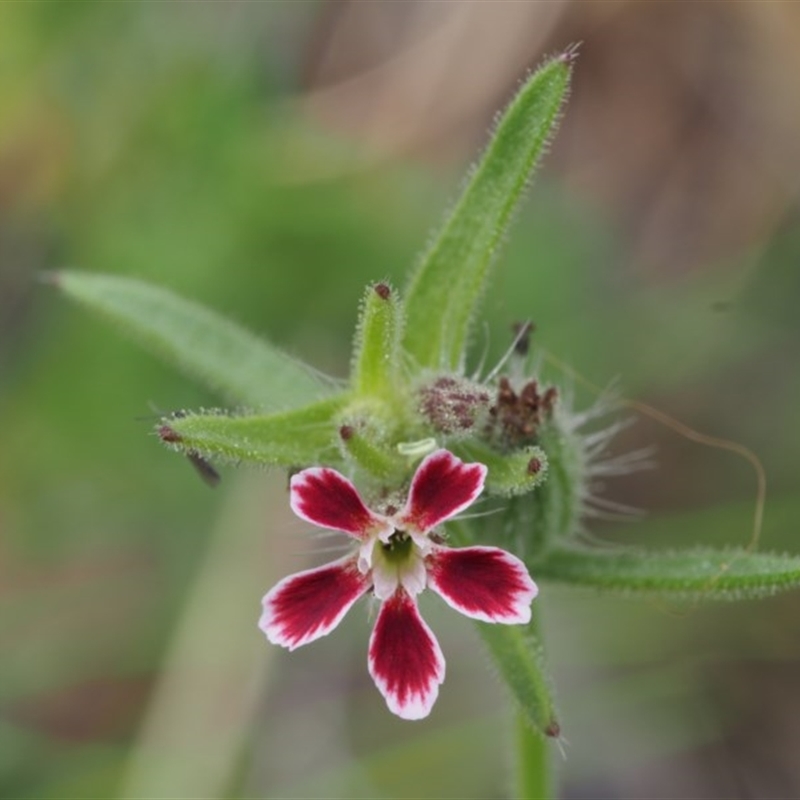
point(310, 604)
point(442, 487)
point(405, 660)
point(324, 497)
point(484, 583)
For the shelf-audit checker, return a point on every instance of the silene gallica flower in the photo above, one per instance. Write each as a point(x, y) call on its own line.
point(399, 553)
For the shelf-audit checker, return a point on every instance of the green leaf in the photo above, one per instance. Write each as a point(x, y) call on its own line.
point(291, 438)
point(205, 345)
point(362, 447)
point(698, 574)
point(519, 658)
point(377, 345)
point(451, 277)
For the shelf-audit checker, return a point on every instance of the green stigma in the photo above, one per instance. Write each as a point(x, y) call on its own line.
point(398, 549)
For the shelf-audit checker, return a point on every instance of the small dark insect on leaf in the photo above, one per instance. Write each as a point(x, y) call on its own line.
point(204, 469)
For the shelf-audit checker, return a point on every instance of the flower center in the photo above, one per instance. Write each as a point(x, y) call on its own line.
point(398, 549)
point(397, 562)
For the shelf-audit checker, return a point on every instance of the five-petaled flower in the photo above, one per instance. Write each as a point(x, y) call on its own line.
point(397, 556)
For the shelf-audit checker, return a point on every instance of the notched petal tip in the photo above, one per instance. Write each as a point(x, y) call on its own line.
point(405, 660)
point(308, 605)
point(324, 497)
point(484, 583)
point(443, 486)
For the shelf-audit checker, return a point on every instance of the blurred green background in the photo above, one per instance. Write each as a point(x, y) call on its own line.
point(269, 159)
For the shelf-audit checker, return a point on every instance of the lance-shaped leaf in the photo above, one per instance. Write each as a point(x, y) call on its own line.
point(290, 438)
point(698, 574)
point(520, 661)
point(376, 353)
point(225, 357)
point(452, 274)
point(519, 657)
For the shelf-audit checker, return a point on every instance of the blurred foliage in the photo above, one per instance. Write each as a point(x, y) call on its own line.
point(167, 142)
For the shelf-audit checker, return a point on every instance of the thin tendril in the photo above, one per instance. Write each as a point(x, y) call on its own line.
point(695, 436)
point(524, 331)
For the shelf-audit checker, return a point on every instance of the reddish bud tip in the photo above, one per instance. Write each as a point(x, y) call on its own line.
point(571, 53)
point(346, 432)
point(534, 465)
point(382, 290)
point(167, 434)
point(553, 730)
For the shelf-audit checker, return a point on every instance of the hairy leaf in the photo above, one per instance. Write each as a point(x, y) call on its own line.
point(520, 661)
point(376, 353)
point(450, 279)
point(205, 345)
point(519, 658)
point(698, 574)
point(290, 438)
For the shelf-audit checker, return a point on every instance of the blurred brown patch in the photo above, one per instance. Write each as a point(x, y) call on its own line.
point(684, 125)
point(420, 77)
point(99, 709)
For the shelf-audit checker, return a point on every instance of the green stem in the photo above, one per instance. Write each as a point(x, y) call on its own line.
point(534, 778)
point(534, 767)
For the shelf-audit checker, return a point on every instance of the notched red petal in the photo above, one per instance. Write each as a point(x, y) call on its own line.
point(326, 498)
point(485, 583)
point(442, 486)
point(310, 604)
point(405, 660)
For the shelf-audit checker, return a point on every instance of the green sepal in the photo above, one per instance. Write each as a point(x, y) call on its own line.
point(509, 474)
point(519, 658)
point(376, 352)
point(532, 523)
point(448, 283)
point(289, 438)
point(360, 445)
point(206, 346)
point(696, 575)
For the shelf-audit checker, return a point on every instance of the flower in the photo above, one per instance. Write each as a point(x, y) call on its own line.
point(398, 554)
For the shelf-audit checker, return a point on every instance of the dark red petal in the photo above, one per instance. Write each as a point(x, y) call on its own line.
point(326, 498)
point(442, 486)
point(404, 658)
point(310, 604)
point(484, 583)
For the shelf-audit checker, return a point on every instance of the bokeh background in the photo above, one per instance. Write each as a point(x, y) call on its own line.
point(269, 159)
